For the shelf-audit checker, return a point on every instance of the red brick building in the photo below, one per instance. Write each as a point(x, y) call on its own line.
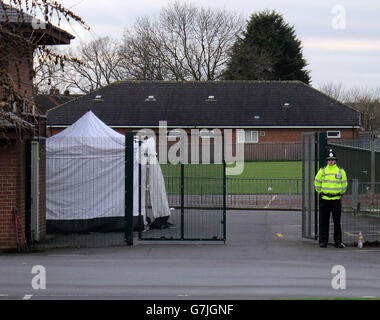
point(22, 153)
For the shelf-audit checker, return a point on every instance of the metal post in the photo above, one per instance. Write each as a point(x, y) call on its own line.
point(355, 193)
point(182, 201)
point(303, 186)
point(322, 148)
point(140, 221)
point(316, 168)
point(373, 165)
point(224, 190)
point(310, 190)
point(28, 192)
point(128, 236)
point(322, 160)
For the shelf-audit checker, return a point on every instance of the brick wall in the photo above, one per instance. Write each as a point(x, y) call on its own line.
point(293, 135)
point(12, 189)
point(13, 180)
point(13, 159)
point(269, 134)
point(22, 78)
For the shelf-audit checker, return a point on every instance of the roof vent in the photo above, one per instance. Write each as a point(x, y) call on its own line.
point(256, 116)
point(285, 110)
point(211, 98)
point(150, 98)
point(98, 97)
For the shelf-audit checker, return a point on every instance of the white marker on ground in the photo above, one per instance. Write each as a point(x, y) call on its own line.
point(269, 203)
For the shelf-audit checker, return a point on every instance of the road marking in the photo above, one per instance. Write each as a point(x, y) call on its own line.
point(280, 235)
point(293, 225)
point(3, 295)
point(269, 203)
point(27, 297)
point(182, 295)
point(368, 297)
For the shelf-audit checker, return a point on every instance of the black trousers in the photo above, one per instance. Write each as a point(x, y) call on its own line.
point(325, 208)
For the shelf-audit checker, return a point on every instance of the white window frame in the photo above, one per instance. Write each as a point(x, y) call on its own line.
point(334, 137)
point(241, 134)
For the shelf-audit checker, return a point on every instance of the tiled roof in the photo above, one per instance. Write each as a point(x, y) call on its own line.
point(45, 102)
point(235, 103)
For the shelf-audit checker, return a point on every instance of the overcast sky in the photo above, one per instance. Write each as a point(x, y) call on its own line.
point(341, 39)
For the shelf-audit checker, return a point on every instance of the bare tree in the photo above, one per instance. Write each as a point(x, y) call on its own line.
point(364, 99)
point(140, 58)
point(96, 64)
point(334, 91)
point(367, 101)
point(49, 75)
point(24, 27)
point(185, 42)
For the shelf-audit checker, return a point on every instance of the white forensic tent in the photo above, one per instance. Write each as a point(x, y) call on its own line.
point(85, 172)
point(85, 176)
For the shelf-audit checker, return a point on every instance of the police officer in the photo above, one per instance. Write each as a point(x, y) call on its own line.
point(331, 183)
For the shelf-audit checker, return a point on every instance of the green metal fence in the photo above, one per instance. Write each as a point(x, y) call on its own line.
point(361, 202)
point(261, 194)
point(360, 212)
point(196, 194)
point(356, 161)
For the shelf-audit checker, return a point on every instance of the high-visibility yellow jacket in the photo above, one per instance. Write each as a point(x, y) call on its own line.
point(331, 182)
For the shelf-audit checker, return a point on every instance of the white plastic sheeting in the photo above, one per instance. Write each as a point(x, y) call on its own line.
point(85, 172)
point(156, 182)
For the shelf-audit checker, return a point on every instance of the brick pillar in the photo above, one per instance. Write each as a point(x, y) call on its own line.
point(12, 189)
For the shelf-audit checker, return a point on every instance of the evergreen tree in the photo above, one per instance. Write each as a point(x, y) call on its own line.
point(268, 50)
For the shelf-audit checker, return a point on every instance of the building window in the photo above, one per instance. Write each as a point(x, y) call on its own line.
point(333, 134)
point(204, 133)
point(247, 136)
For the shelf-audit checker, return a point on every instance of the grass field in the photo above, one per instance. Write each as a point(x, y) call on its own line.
point(265, 170)
point(257, 177)
point(272, 170)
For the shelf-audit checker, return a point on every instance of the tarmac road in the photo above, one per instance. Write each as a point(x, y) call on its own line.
point(264, 258)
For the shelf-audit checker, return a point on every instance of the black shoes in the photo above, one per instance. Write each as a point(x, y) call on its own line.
point(340, 245)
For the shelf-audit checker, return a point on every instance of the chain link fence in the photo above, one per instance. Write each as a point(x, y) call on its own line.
point(361, 212)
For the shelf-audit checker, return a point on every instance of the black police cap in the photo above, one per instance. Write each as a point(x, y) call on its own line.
point(331, 155)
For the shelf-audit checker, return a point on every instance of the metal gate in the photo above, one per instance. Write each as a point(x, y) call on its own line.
point(195, 187)
point(361, 202)
point(309, 196)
